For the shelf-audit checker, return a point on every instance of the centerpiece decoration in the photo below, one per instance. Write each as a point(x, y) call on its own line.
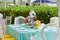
point(31, 20)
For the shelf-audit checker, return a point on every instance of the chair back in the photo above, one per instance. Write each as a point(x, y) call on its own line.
point(19, 20)
point(43, 33)
point(1, 16)
point(55, 21)
point(1, 34)
point(2, 24)
point(8, 19)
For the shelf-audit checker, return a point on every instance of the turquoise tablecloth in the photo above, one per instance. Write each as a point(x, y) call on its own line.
point(22, 32)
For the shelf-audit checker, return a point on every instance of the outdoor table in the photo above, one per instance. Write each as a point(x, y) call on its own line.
point(23, 32)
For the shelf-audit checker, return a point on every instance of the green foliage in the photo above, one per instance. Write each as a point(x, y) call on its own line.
point(44, 13)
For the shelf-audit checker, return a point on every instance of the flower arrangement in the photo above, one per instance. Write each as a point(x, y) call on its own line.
point(31, 20)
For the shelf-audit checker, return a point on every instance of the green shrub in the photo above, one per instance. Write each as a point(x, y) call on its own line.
point(44, 13)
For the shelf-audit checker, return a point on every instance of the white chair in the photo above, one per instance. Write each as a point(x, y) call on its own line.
point(1, 16)
point(19, 20)
point(8, 19)
point(2, 24)
point(1, 34)
point(42, 32)
point(55, 21)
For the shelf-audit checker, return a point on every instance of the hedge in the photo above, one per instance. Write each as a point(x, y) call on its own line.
point(44, 13)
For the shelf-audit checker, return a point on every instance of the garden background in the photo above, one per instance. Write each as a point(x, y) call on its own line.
point(43, 13)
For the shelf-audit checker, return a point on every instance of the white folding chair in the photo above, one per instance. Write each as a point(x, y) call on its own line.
point(8, 19)
point(42, 32)
point(1, 33)
point(19, 20)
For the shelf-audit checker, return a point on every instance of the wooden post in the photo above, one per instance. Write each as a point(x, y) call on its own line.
point(14, 2)
point(40, 2)
point(29, 2)
point(58, 4)
point(20, 2)
point(4, 4)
